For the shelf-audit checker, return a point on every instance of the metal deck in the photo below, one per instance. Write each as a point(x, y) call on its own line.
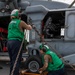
point(5, 70)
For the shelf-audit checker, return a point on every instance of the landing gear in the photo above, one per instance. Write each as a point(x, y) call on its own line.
point(33, 64)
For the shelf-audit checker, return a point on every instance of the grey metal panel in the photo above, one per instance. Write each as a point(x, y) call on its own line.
point(36, 16)
point(33, 35)
point(37, 8)
point(66, 49)
point(2, 5)
point(62, 47)
point(24, 4)
point(4, 14)
point(70, 59)
point(70, 25)
point(50, 4)
point(36, 0)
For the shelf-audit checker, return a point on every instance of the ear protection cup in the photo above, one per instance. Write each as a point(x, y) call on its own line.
point(43, 48)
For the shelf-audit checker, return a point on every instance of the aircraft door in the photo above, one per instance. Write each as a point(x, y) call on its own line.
point(70, 25)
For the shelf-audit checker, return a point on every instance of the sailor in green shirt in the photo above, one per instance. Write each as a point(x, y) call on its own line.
point(15, 36)
point(51, 62)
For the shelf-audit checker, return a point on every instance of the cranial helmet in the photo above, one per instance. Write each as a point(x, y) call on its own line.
point(15, 13)
point(43, 47)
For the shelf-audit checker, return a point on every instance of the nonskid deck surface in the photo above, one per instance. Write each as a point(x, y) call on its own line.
point(5, 66)
point(5, 70)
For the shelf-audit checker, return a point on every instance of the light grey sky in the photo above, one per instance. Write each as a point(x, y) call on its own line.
point(65, 1)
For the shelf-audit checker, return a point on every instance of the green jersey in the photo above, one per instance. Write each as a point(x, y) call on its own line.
point(14, 32)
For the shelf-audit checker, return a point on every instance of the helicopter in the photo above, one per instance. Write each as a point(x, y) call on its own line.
point(54, 20)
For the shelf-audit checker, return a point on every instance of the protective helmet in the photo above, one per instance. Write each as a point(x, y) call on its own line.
point(15, 13)
point(43, 47)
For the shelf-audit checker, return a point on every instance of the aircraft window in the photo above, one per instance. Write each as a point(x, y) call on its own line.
point(54, 23)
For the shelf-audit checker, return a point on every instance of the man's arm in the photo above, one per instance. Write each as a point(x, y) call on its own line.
point(23, 25)
point(46, 60)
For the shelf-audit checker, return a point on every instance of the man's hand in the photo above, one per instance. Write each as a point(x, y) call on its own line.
point(40, 69)
point(23, 25)
point(40, 72)
point(30, 27)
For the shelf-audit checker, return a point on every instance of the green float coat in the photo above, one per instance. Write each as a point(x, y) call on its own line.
point(14, 32)
point(56, 61)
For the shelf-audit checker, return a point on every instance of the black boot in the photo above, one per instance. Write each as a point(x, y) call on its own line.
point(1, 67)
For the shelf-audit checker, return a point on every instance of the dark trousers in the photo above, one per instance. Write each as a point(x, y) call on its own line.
point(57, 72)
point(13, 48)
